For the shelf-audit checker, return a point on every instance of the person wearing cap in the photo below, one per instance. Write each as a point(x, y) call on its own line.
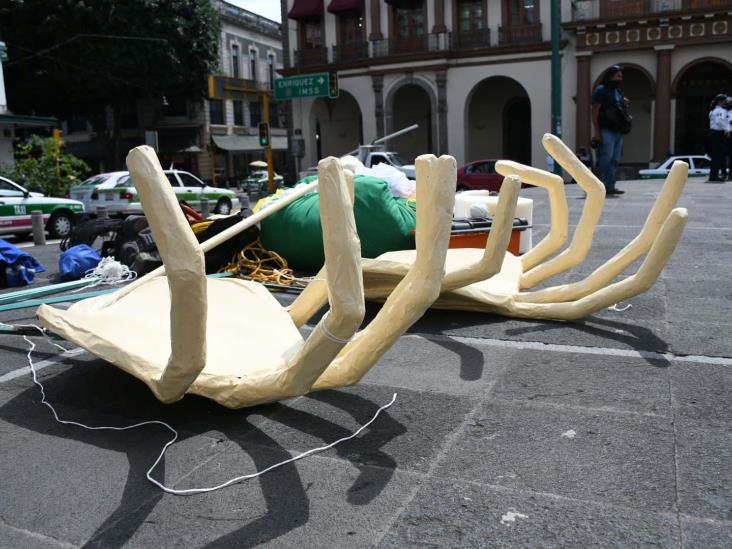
point(719, 128)
point(612, 121)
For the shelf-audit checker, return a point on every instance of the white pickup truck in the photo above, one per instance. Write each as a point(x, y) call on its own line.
point(393, 159)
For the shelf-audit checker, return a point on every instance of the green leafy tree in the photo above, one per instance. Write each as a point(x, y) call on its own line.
point(42, 166)
point(101, 58)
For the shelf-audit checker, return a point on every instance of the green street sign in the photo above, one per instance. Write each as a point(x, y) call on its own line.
point(306, 85)
point(3, 52)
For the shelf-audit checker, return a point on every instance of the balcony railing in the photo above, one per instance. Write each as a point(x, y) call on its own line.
point(469, 40)
point(398, 46)
point(311, 56)
point(519, 34)
point(351, 52)
point(587, 10)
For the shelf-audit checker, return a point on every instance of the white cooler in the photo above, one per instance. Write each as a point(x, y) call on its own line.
point(524, 209)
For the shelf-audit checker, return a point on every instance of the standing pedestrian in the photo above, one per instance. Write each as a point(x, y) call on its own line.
point(612, 121)
point(728, 107)
point(719, 126)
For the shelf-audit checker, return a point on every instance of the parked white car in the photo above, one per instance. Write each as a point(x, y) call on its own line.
point(258, 181)
point(87, 192)
point(123, 198)
point(17, 203)
point(698, 167)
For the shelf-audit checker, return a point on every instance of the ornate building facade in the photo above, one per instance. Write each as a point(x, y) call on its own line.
point(476, 74)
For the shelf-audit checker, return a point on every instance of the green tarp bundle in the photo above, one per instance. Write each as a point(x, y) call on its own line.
point(384, 224)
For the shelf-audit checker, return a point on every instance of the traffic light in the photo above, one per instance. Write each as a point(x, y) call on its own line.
point(263, 134)
point(333, 85)
point(56, 134)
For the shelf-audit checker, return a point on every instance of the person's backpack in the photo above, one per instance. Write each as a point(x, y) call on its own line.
point(616, 116)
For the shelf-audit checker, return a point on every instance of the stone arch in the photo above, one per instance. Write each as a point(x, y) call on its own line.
point(683, 70)
point(632, 66)
point(498, 120)
point(336, 125)
point(693, 89)
point(423, 140)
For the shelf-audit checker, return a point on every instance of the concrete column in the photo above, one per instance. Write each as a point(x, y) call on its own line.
point(583, 116)
point(3, 97)
point(439, 26)
point(441, 79)
point(377, 81)
point(39, 230)
point(375, 33)
point(662, 114)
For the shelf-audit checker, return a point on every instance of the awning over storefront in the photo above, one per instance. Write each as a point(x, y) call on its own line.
point(337, 6)
point(306, 8)
point(247, 143)
point(28, 121)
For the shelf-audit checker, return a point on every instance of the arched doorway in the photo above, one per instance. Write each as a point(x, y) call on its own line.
point(337, 126)
point(410, 105)
point(694, 89)
point(498, 121)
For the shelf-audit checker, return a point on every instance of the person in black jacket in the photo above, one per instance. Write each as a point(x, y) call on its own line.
point(612, 121)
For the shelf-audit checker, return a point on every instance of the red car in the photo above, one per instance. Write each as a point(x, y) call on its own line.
point(479, 176)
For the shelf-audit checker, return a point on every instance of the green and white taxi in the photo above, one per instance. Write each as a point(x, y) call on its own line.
point(123, 199)
point(17, 203)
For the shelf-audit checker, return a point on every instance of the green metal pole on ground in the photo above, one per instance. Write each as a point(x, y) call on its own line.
point(556, 17)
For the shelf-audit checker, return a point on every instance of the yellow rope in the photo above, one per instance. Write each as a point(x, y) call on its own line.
point(256, 263)
point(200, 226)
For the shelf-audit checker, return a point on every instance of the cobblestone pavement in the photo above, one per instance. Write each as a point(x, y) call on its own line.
point(614, 431)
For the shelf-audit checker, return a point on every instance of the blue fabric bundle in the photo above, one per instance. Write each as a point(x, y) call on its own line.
point(18, 266)
point(76, 261)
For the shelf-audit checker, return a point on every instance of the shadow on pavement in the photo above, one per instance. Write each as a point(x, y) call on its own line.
point(96, 393)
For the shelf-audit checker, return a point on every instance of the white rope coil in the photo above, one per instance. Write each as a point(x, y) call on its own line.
point(163, 487)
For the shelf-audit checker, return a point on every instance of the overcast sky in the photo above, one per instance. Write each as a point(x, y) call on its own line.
point(267, 8)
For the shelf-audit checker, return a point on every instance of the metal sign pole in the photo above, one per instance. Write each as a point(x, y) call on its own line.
point(556, 78)
point(268, 150)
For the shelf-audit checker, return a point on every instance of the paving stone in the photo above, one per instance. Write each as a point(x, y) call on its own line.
point(16, 537)
point(705, 534)
point(688, 337)
point(65, 483)
point(306, 504)
point(440, 365)
point(702, 392)
point(591, 381)
point(616, 458)
point(445, 514)
point(407, 436)
point(704, 454)
point(641, 335)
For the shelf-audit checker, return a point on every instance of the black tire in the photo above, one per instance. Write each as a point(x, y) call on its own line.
point(61, 224)
point(223, 206)
point(462, 188)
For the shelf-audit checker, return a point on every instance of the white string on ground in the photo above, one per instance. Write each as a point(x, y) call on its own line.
point(163, 487)
point(109, 272)
point(617, 309)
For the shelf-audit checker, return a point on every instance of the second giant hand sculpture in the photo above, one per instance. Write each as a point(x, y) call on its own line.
point(495, 281)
